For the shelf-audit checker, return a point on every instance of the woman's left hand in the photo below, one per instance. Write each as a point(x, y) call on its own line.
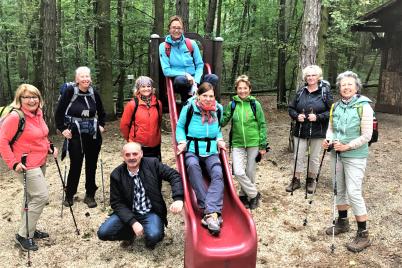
point(312, 117)
point(262, 152)
point(102, 129)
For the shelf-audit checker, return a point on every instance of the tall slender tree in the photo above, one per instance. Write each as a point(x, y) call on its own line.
point(182, 10)
point(120, 47)
point(49, 19)
point(158, 17)
point(104, 56)
point(282, 40)
point(309, 39)
point(209, 23)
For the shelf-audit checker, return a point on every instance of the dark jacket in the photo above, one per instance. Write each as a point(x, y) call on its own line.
point(77, 107)
point(151, 173)
point(320, 102)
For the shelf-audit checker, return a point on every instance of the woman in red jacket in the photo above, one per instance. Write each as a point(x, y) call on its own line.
point(141, 119)
point(33, 142)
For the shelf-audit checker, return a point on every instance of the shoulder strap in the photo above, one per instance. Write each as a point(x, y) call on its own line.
point(331, 112)
point(254, 108)
point(189, 115)
point(133, 115)
point(189, 46)
point(21, 125)
point(167, 49)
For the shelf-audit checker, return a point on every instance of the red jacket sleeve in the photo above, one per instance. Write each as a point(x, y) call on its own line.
point(126, 119)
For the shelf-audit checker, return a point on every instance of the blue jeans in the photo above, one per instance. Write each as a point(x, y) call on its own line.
point(114, 229)
point(181, 85)
point(209, 198)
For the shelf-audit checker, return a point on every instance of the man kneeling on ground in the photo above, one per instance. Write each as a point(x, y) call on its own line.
point(136, 198)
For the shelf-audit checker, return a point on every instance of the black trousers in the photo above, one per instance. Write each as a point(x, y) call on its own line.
point(152, 152)
point(90, 150)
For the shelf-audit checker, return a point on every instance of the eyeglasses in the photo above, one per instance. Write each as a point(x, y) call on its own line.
point(30, 97)
point(176, 28)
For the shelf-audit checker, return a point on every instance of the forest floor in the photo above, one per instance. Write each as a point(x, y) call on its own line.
point(282, 238)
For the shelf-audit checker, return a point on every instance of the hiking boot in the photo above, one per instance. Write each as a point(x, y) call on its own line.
point(255, 202)
point(40, 235)
point(360, 242)
point(310, 185)
point(90, 201)
point(341, 226)
point(294, 183)
point(244, 200)
point(68, 201)
point(212, 222)
point(25, 243)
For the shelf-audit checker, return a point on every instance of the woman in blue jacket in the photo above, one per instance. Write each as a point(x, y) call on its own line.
point(181, 59)
point(200, 137)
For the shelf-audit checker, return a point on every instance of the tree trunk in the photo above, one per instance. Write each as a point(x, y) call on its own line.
point(49, 19)
point(59, 50)
point(22, 56)
point(218, 18)
point(36, 39)
point(159, 15)
point(250, 28)
point(322, 36)
point(120, 47)
point(236, 51)
point(309, 39)
point(182, 11)
point(104, 56)
point(77, 8)
point(209, 23)
point(282, 40)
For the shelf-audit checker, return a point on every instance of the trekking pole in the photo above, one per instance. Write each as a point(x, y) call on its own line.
point(64, 180)
point(24, 161)
point(316, 181)
point(308, 152)
point(64, 189)
point(297, 153)
point(334, 205)
point(103, 182)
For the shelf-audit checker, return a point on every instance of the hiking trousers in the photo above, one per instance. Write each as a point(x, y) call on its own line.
point(209, 197)
point(38, 195)
point(349, 180)
point(244, 167)
point(315, 149)
point(90, 150)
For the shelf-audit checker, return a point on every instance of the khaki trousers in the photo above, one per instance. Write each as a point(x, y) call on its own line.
point(38, 195)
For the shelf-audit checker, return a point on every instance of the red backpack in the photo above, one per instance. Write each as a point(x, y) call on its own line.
point(189, 46)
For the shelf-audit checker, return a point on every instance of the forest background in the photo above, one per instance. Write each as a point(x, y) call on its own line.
point(43, 41)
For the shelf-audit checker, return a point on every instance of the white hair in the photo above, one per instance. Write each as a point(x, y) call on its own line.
point(82, 69)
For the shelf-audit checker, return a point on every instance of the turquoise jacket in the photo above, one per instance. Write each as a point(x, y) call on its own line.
point(247, 130)
point(346, 125)
point(197, 129)
point(181, 61)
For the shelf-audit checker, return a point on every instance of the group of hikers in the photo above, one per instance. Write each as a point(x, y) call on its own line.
point(343, 128)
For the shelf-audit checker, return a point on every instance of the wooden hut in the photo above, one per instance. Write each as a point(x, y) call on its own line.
point(385, 23)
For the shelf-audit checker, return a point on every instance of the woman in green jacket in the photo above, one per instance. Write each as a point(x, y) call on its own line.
point(248, 137)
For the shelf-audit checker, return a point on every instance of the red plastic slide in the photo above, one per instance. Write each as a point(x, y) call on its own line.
point(236, 246)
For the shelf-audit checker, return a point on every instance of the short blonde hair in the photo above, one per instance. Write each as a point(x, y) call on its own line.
point(21, 90)
point(312, 68)
point(242, 78)
point(175, 18)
